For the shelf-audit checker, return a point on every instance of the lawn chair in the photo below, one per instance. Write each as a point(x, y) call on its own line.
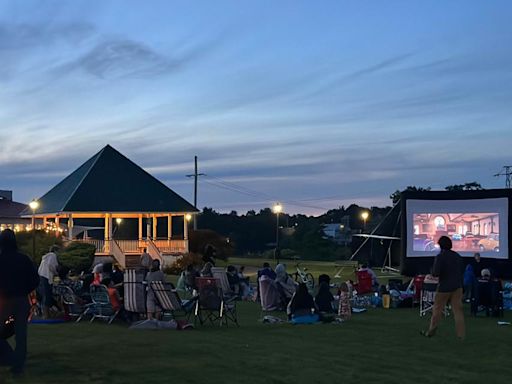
point(221, 275)
point(364, 283)
point(427, 298)
point(488, 298)
point(134, 292)
point(211, 304)
point(170, 302)
point(271, 299)
point(72, 305)
point(100, 308)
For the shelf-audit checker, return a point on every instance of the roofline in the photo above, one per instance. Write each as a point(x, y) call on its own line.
point(114, 213)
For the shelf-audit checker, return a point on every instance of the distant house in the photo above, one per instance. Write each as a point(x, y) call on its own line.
point(339, 233)
point(10, 213)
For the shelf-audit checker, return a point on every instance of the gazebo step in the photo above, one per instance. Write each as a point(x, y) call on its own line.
point(132, 260)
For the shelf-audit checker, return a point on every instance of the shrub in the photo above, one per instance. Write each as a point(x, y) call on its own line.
point(43, 243)
point(183, 262)
point(77, 257)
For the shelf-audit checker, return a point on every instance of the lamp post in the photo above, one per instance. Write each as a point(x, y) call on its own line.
point(277, 209)
point(364, 216)
point(34, 204)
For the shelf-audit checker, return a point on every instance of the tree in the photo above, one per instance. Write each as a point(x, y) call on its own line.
point(472, 186)
point(395, 196)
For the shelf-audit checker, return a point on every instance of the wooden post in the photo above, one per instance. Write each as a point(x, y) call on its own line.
point(148, 228)
point(169, 227)
point(57, 224)
point(185, 228)
point(155, 222)
point(140, 227)
point(70, 227)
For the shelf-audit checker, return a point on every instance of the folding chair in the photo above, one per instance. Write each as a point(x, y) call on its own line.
point(211, 305)
point(169, 300)
point(134, 292)
point(100, 308)
point(427, 298)
point(364, 283)
point(221, 275)
point(71, 302)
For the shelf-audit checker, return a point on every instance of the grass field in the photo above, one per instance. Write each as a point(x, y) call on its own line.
point(379, 346)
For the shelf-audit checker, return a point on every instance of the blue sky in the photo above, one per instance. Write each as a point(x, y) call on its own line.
point(316, 104)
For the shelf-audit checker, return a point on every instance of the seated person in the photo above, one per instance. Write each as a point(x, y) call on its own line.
point(324, 298)
point(485, 275)
point(207, 270)
point(97, 271)
point(113, 294)
point(65, 281)
point(284, 282)
point(189, 277)
point(267, 271)
point(301, 303)
point(344, 307)
point(154, 274)
point(233, 279)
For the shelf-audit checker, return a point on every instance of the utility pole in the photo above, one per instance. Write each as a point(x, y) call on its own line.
point(195, 175)
point(507, 172)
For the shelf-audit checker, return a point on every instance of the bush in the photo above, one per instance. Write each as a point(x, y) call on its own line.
point(77, 257)
point(43, 243)
point(182, 263)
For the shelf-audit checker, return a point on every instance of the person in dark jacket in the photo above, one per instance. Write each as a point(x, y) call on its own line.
point(324, 298)
point(301, 303)
point(18, 277)
point(449, 268)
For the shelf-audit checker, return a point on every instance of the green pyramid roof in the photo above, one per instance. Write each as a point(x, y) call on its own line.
point(110, 182)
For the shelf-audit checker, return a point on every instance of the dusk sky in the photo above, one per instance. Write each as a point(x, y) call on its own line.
point(316, 104)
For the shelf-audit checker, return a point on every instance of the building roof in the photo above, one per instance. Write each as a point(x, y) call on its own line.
point(9, 208)
point(110, 182)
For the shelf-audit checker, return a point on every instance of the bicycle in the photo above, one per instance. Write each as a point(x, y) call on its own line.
point(301, 276)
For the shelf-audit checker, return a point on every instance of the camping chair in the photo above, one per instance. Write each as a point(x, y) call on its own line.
point(211, 304)
point(169, 300)
point(71, 303)
point(488, 298)
point(134, 291)
point(364, 283)
point(427, 298)
point(271, 299)
point(100, 307)
point(221, 275)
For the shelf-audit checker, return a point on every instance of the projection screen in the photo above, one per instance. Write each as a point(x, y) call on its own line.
point(474, 225)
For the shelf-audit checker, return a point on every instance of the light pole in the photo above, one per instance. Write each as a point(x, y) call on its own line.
point(34, 204)
point(277, 209)
point(364, 216)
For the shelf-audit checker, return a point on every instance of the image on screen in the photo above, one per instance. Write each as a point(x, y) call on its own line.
point(476, 225)
point(470, 232)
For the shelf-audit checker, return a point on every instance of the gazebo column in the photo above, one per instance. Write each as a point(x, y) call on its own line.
point(148, 228)
point(57, 224)
point(185, 232)
point(155, 222)
point(140, 228)
point(108, 232)
point(70, 227)
point(45, 222)
point(169, 228)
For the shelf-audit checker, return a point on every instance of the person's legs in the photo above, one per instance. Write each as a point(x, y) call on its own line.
point(437, 311)
point(458, 314)
point(21, 312)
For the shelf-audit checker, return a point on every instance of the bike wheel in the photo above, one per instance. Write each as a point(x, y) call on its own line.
point(310, 280)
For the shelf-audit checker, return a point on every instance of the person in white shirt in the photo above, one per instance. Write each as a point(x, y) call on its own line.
point(47, 272)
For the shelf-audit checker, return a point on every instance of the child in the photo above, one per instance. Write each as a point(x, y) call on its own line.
point(344, 310)
point(113, 294)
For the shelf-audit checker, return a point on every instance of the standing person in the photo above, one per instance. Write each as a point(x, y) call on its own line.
point(145, 260)
point(209, 254)
point(18, 277)
point(448, 267)
point(477, 265)
point(47, 271)
point(344, 308)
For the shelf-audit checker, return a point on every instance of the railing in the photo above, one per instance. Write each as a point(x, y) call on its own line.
point(172, 246)
point(118, 254)
point(129, 246)
point(153, 250)
point(99, 244)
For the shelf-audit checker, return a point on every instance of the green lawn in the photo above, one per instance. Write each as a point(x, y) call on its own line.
point(381, 346)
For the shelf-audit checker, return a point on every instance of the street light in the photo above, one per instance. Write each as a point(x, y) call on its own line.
point(34, 204)
point(364, 216)
point(277, 209)
point(119, 220)
point(188, 217)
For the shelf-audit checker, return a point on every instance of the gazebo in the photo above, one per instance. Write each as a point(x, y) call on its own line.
point(108, 189)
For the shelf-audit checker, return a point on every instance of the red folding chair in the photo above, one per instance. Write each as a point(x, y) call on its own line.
point(364, 282)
